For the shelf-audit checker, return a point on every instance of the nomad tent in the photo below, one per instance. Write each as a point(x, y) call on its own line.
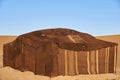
point(60, 51)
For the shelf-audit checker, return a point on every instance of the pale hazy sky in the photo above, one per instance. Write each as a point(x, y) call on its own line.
point(97, 17)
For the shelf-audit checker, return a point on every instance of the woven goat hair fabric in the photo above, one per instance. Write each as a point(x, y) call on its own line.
point(60, 51)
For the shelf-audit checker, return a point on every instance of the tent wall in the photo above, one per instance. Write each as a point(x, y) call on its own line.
point(12, 55)
point(87, 62)
point(29, 58)
point(44, 61)
point(51, 60)
point(8, 55)
point(39, 58)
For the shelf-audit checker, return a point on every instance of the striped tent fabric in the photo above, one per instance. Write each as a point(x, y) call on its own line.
point(87, 62)
point(60, 51)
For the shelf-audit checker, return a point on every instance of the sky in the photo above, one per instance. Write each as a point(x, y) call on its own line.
point(96, 17)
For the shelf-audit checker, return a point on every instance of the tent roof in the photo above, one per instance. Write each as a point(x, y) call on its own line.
point(68, 39)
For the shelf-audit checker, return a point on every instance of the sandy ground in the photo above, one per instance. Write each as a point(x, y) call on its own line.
point(8, 73)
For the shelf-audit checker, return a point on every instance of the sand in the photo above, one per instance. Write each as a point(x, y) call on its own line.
point(8, 73)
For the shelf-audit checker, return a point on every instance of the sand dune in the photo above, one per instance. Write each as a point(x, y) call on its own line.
point(8, 73)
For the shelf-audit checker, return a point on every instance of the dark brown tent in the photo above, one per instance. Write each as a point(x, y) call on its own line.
point(60, 51)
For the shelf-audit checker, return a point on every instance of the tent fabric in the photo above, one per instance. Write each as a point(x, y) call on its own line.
point(60, 51)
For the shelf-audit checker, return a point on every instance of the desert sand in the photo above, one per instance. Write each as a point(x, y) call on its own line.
point(8, 73)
